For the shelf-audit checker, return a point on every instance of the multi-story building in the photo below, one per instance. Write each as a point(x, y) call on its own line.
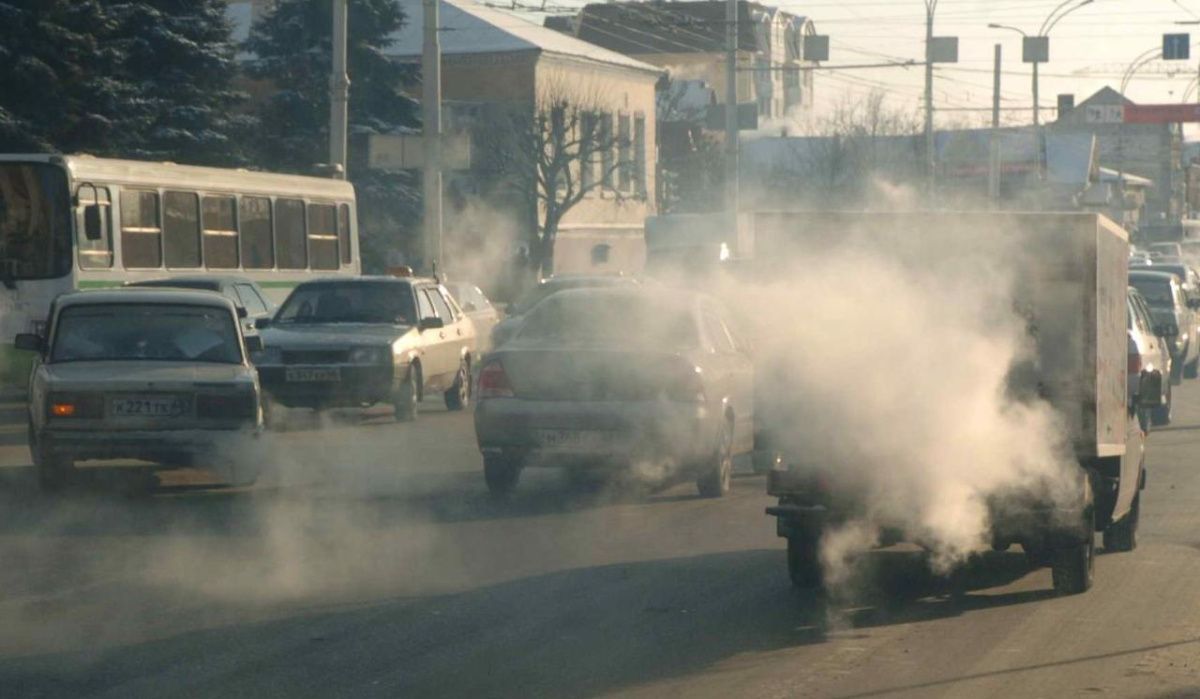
point(687, 39)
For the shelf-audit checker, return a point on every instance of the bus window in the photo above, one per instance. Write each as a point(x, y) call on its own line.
point(35, 222)
point(140, 232)
point(290, 243)
point(181, 229)
point(95, 246)
point(323, 236)
point(344, 232)
point(258, 249)
point(220, 232)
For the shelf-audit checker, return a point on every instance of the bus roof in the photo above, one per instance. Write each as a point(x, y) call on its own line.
point(214, 179)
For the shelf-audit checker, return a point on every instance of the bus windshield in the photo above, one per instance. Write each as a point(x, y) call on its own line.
point(35, 236)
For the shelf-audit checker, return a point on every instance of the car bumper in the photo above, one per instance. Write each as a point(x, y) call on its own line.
point(609, 433)
point(356, 385)
point(150, 445)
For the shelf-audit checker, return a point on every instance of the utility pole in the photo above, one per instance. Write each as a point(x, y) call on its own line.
point(431, 116)
point(994, 159)
point(930, 161)
point(339, 93)
point(731, 113)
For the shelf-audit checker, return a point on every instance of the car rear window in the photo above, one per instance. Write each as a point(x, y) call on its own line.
point(145, 331)
point(350, 302)
point(597, 319)
point(1156, 293)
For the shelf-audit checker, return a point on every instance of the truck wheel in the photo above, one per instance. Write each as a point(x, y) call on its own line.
point(1072, 568)
point(1122, 535)
point(717, 475)
point(804, 560)
point(459, 393)
point(501, 471)
point(405, 398)
point(54, 470)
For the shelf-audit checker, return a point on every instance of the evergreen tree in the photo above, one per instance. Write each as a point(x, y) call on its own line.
point(292, 52)
point(149, 79)
point(179, 58)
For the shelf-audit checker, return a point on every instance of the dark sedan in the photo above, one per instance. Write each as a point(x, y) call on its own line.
point(610, 378)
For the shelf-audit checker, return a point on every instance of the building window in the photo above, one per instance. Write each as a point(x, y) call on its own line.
point(258, 249)
point(344, 232)
point(639, 154)
point(607, 166)
point(181, 229)
point(291, 245)
point(219, 220)
point(141, 234)
point(588, 127)
point(624, 154)
point(95, 241)
point(323, 236)
point(600, 254)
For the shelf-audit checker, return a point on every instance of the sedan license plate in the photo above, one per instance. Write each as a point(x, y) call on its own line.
point(311, 374)
point(148, 406)
point(575, 440)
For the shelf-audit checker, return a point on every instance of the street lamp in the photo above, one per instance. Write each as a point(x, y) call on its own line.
point(1036, 48)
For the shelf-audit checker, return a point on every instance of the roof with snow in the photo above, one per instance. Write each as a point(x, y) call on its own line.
point(679, 27)
point(471, 28)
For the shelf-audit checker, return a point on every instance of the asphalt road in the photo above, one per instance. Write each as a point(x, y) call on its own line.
point(370, 562)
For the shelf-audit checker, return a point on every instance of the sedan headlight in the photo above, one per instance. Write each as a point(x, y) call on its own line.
point(369, 355)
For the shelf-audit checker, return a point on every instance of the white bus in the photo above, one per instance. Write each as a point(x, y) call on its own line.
point(75, 222)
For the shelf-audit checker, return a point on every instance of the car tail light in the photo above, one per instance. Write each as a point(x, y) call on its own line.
point(236, 406)
point(688, 387)
point(1135, 363)
point(493, 382)
point(75, 406)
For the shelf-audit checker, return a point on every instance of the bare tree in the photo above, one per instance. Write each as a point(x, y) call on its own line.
point(555, 154)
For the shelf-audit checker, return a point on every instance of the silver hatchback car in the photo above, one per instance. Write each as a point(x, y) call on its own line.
point(148, 374)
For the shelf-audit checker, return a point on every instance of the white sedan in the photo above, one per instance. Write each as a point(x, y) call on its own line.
point(148, 374)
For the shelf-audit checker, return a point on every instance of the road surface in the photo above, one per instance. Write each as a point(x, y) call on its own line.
point(371, 562)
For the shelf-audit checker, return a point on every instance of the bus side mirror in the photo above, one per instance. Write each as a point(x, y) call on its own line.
point(92, 229)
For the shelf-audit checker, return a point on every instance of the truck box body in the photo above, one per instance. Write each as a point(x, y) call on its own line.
point(1070, 278)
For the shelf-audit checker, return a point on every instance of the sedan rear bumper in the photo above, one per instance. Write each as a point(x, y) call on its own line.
point(150, 445)
point(562, 433)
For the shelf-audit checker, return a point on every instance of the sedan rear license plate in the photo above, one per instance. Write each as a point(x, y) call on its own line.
point(575, 440)
point(309, 375)
point(148, 406)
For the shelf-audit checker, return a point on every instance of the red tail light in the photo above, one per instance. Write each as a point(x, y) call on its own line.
point(75, 405)
point(1135, 363)
point(493, 382)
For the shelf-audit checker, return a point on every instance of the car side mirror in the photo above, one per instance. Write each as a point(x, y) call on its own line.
point(29, 342)
point(431, 323)
point(1150, 389)
point(254, 343)
point(241, 312)
point(260, 323)
point(92, 227)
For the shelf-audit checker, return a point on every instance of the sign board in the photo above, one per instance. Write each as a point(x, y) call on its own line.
point(407, 152)
point(1066, 104)
point(1162, 113)
point(1176, 47)
point(816, 47)
point(1104, 114)
point(943, 49)
point(1035, 49)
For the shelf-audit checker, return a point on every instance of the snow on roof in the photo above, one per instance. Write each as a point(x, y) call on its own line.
point(468, 27)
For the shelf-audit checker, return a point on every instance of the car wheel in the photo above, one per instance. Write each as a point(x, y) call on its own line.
point(1122, 535)
point(717, 475)
point(1072, 568)
point(1160, 415)
point(458, 396)
point(405, 399)
point(54, 470)
point(501, 472)
point(804, 560)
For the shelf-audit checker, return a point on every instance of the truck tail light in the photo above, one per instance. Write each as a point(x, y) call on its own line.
point(493, 382)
